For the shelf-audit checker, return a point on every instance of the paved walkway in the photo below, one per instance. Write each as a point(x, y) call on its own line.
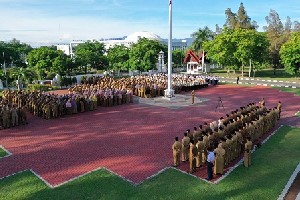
point(133, 141)
point(263, 82)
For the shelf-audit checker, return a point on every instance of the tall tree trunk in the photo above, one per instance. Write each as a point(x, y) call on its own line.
point(250, 68)
point(203, 61)
point(242, 70)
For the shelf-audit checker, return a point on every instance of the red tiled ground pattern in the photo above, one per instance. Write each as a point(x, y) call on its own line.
point(133, 141)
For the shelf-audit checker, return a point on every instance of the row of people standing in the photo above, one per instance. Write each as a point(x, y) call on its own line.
point(11, 115)
point(149, 85)
point(228, 138)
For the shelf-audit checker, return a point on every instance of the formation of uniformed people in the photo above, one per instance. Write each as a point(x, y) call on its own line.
point(229, 137)
point(146, 86)
point(12, 110)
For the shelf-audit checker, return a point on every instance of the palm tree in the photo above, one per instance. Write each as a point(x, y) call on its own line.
point(200, 36)
point(23, 74)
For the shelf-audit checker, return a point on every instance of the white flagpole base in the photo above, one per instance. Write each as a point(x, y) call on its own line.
point(169, 94)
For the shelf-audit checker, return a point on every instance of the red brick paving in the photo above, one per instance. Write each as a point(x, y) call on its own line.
point(134, 141)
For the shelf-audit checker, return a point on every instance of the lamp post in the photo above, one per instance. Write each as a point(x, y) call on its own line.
point(161, 55)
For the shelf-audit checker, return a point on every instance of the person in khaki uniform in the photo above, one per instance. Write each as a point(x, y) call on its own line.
point(200, 150)
point(219, 161)
point(247, 154)
point(14, 116)
point(225, 147)
point(205, 141)
point(185, 147)
point(230, 149)
point(279, 106)
point(176, 152)
point(192, 156)
point(193, 96)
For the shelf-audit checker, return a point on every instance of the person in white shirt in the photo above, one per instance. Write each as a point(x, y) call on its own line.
point(210, 163)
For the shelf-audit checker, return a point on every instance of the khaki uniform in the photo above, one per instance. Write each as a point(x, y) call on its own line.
point(247, 154)
point(219, 161)
point(185, 148)
point(200, 150)
point(192, 158)
point(176, 152)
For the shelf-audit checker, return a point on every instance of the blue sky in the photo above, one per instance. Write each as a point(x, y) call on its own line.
point(66, 20)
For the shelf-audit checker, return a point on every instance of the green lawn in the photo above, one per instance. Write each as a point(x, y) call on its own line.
point(265, 179)
point(2, 153)
point(292, 90)
point(280, 75)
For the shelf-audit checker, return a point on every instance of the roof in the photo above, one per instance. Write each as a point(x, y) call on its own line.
point(192, 57)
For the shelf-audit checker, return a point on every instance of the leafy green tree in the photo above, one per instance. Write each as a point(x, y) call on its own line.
point(91, 53)
point(14, 53)
point(118, 58)
point(22, 75)
point(221, 49)
point(143, 55)
point(60, 64)
point(250, 45)
point(237, 47)
point(290, 54)
point(46, 60)
point(19, 52)
point(41, 60)
point(178, 57)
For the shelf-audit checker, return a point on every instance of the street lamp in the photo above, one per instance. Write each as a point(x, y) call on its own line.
point(161, 55)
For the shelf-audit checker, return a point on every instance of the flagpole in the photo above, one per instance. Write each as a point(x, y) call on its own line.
point(169, 93)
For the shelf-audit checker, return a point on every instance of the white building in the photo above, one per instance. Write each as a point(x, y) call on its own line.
point(126, 41)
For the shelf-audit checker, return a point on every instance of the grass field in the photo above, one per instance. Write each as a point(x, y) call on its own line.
point(292, 90)
point(265, 179)
point(2, 153)
point(280, 75)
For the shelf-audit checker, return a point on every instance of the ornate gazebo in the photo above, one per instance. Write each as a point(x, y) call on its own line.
point(193, 62)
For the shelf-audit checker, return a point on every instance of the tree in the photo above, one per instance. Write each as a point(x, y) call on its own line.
point(143, 55)
point(221, 49)
point(236, 47)
point(231, 20)
point(41, 60)
point(45, 60)
point(177, 57)
point(22, 75)
point(288, 25)
point(239, 20)
point(218, 30)
point(91, 53)
point(200, 37)
point(296, 26)
point(14, 53)
point(242, 19)
point(290, 54)
point(118, 58)
point(275, 31)
point(60, 64)
point(250, 45)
